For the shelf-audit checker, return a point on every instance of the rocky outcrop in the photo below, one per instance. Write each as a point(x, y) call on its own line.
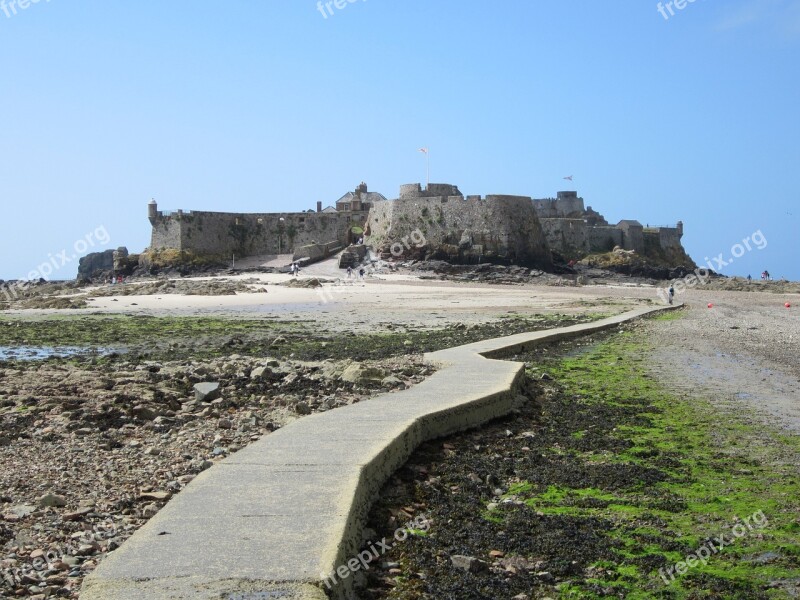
point(95, 263)
point(102, 265)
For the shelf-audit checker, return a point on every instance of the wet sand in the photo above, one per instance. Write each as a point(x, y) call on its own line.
point(743, 354)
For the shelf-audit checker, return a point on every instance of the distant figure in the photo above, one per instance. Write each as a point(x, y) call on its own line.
point(767, 274)
point(120, 279)
point(361, 273)
point(296, 269)
point(349, 272)
point(670, 294)
point(749, 278)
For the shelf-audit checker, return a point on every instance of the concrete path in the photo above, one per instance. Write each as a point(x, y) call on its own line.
point(276, 518)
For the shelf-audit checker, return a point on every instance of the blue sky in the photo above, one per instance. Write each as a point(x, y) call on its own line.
point(271, 106)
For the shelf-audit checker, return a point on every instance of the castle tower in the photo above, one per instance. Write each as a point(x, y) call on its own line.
point(152, 211)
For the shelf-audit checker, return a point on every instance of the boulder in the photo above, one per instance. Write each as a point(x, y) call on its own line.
point(470, 564)
point(207, 391)
point(360, 374)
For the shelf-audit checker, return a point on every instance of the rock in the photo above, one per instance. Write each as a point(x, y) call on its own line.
point(225, 424)
point(143, 412)
point(78, 514)
point(206, 392)
point(86, 550)
point(357, 373)
point(157, 496)
point(23, 510)
point(766, 558)
point(302, 408)
point(470, 564)
point(278, 341)
point(259, 373)
point(70, 561)
point(545, 377)
point(497, 554)
point(392, 382)
point(52, 500)
point(4, 441)
point(149, 510)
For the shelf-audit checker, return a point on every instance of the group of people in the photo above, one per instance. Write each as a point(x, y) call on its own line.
point(765, 276)
point(361, 273)
point(294, 271)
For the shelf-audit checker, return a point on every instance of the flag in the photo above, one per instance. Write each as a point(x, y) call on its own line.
point(423, 150)
point(568, 178)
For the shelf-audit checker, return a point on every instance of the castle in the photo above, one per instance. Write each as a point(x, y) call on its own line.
point(498, 228)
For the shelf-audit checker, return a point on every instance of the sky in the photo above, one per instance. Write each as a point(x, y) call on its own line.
point(660, 112)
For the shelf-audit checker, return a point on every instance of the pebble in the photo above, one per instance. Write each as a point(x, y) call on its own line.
point(52, 500)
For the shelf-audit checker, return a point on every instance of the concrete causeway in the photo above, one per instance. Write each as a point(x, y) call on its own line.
point(274, 519)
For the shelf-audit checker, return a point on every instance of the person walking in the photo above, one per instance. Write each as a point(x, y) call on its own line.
point(670, 294)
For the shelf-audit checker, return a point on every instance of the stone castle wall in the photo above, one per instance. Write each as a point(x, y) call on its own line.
point(495, 229)
point(506, 229)
point(575, 231)
point(565, 206)
point(251, 234)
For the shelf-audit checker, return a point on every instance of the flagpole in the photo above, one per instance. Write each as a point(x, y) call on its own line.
point(426, 152)
point(427, 169)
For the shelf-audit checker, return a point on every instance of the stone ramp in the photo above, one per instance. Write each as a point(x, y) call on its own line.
point(274, 519)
